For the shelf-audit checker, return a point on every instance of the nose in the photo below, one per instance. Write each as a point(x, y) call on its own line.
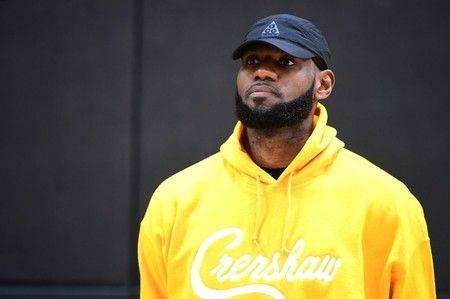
point(264, 72)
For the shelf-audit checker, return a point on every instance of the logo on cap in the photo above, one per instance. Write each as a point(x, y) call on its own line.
point(272, 29)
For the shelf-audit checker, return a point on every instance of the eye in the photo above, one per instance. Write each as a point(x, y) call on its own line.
point(252, 60)
point(286, 61)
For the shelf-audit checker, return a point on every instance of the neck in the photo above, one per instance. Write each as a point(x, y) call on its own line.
point(276, 148)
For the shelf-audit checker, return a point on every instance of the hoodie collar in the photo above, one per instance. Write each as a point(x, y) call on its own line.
point(322, 137)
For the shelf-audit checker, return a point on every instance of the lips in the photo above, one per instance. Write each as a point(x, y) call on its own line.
point(262, 88)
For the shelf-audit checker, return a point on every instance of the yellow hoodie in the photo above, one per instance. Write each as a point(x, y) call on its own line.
point(333, 225)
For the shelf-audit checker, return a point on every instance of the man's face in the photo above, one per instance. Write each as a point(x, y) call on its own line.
point(274, 89)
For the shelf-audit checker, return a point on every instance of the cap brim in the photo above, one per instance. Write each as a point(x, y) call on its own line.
point(288, 47)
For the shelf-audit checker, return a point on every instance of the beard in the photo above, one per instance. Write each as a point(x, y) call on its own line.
point(280, 115)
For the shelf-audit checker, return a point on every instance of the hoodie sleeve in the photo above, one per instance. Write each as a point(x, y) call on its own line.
point(412, 272)
point(152, 249)
point(416, 279)
point(152, 266)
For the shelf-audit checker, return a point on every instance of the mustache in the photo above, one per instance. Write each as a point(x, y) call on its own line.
point(262, 86)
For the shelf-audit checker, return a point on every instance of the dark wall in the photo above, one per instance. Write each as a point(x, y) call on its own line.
point(101, 100)
point(66, 142)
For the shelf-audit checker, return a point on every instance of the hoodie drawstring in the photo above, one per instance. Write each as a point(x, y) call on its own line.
point(285, 236)
point(258, 215)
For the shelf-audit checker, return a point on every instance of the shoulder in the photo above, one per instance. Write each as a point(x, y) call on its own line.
point(363, 172)
point(383, 195)
point(193, 175)
point(373, 184)
point(177, 190)
point(186, 182)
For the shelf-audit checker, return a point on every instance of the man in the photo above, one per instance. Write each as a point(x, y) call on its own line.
point(284, 210)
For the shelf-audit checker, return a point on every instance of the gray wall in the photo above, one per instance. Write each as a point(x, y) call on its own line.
point(101, 100)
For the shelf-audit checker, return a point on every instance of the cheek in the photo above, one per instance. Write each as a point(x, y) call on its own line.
point(296, 86)
point(290, 89)
point(241, 82)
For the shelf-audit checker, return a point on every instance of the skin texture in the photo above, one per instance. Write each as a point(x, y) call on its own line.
point(285, 78)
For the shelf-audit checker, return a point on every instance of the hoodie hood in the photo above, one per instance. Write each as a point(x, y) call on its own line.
point(318, 151)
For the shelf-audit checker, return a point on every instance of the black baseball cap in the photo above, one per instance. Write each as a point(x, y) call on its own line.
point(293, 35)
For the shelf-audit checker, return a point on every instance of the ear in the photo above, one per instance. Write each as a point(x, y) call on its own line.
point(324, 84)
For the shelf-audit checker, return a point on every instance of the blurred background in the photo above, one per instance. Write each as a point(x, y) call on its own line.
point(101, 100)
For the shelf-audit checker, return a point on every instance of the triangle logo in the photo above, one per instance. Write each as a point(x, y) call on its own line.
point(272, 29)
